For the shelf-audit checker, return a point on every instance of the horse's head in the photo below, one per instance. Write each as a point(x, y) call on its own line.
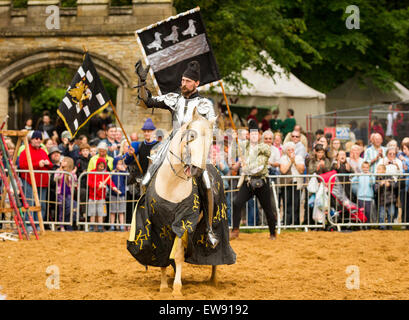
point(195, 144)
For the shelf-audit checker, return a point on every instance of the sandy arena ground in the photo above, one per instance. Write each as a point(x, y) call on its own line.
point(297, 265)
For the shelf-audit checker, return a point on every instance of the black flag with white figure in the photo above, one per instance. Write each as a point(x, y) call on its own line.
point(85, 97)
point(169, 45)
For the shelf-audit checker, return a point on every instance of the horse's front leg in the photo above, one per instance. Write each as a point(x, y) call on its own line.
point(179, 259)
point(163, 279)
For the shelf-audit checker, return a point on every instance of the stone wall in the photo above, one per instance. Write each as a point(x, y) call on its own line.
point(106, 32)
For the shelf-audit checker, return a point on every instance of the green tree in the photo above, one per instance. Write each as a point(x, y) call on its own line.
point(309, 38)
point(239, 30)
point(366, 51)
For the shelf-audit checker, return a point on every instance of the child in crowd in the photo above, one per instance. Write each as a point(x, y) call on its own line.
point(83, 159)
point(365, 193)
point(97, 192)
point(65, 188)
point(342, 166)
point(117, 200)
point(386, 197)
point(93, 151)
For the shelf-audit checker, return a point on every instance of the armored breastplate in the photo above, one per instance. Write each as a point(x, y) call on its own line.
point(182, 109)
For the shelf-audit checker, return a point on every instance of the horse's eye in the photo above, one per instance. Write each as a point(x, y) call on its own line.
point(192, 136)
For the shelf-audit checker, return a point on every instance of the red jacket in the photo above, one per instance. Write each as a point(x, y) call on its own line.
point(36, 156)
point(93, 182)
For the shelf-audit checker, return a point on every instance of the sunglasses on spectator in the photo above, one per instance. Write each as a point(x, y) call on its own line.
point(295, 136)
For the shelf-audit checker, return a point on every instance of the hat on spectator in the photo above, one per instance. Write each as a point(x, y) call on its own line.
point(102, 145)
point(148, 125)
point(37, 134)
point(54, 149)
point(66, 134)
point(159, 133)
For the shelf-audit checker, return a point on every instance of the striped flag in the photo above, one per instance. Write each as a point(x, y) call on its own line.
point(85, 97)
point(169, 45)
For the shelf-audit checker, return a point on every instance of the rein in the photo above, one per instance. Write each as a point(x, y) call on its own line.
point(187, 131)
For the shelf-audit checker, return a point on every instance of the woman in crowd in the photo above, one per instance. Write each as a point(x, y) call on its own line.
point(324, 142)
point(274, 159)
point(334, 148)
point(319, 163)
point(278, 142)
point(290, 164)
point(355, 160)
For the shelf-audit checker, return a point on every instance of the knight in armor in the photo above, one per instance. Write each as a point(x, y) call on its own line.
point(181, 105)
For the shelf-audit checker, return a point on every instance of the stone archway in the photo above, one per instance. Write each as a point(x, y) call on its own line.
point(27, 45)
point(54, 58)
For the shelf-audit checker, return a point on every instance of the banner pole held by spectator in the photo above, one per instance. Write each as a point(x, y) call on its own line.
point(123, 130)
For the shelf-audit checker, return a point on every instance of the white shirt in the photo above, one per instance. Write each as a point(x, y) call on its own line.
point(356, 165)
point(275, 155)
point(392, 169)
point(285, 160)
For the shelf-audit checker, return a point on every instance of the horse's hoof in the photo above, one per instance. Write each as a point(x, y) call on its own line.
point(214, 282)
point(177, 290)
point(163, 288)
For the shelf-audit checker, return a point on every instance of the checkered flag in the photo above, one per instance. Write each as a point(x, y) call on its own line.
point(85, 97)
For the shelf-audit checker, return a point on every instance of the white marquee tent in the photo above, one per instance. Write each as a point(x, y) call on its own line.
point(284, 91)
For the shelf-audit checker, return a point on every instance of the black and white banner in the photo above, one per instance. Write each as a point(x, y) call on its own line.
point(169, 45)
point(84, 98)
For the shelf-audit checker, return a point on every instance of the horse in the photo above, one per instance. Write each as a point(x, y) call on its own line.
point(167, 224)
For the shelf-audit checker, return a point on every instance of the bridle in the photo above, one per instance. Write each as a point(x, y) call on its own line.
point(190, 135)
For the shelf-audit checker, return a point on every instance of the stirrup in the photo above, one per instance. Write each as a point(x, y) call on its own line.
point(212, 238)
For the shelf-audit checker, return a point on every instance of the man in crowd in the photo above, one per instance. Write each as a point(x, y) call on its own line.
point(143, 149)
point(101, 135)
point(265, 123)
point(375, 153)
point(275, 123)
point(300, 149)
point(288, 124)
point(303, 138)
point(40, 162)
point(113, 146)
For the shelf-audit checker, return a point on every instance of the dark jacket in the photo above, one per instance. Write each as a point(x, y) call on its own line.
point(385, 195)
point(82, 165)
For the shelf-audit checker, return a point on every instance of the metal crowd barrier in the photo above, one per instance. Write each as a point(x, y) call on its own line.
point(115, 210)
point(297, 206)
point(290, 201)
point(56, 208)
point(389, 205)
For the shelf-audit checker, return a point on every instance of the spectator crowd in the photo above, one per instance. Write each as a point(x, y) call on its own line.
point(292, 153)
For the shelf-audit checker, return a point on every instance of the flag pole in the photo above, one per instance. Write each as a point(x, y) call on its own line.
point(119, 121)
point(126, 136)
point(227, 105)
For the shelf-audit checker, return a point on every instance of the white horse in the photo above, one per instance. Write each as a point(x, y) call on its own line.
point(172, 187)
